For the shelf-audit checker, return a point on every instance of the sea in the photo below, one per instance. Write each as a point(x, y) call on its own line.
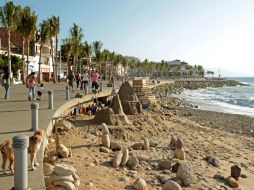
point(235, 100)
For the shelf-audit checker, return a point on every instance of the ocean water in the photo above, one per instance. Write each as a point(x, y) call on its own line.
point(235, 100)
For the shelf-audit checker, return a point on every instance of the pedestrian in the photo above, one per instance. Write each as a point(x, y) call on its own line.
point(85, 79)
point(6, 84)
point(95, 77)
point(70, 79)
point(30, 84)
point(77, 78)
point(39, 91)
point(59, 78)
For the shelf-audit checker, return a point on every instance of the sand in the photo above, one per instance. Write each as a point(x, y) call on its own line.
point(157, 125)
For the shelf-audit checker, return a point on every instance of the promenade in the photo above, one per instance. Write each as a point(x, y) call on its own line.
point(15, 119)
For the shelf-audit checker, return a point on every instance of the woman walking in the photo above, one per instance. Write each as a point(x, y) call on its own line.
point(6, 84)
point(30, 84)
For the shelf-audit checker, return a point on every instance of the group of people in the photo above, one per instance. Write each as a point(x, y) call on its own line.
point(82, 80)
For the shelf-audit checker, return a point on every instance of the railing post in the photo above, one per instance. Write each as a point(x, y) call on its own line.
point(67, 93)
point(20, 144)
point(50, 99)
point(34, 115)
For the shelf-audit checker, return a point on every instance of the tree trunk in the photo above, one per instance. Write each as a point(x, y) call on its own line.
point(39, 75)
point(56, 60)
point(53, 62)
point(27, 56)
point(9, 55)
point(23, 61)
point(68, 63)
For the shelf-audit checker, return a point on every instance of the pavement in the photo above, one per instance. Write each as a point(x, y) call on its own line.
point(15, 119)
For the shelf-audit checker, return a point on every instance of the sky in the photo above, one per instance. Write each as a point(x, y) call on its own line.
point(218, 34)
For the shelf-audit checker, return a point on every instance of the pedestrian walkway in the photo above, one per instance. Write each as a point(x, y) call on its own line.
point(15, 119)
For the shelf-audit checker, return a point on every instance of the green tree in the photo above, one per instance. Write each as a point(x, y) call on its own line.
point(66, 50)
point(44, 38)
point(76, 40)
point(97, 45)
point(8, 19)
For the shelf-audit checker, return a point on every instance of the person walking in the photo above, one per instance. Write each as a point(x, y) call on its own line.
point(77, 78)
point(84, 80)
point(30, 84)
point(6, 84)
point(70, 79)
point(95, 77)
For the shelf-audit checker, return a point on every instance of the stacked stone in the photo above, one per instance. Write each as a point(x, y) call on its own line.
point(64, 177)
point(144, 94)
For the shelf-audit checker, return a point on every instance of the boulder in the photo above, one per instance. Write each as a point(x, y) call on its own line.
point(164, 164)
point(235, 172)
point(137, 146)
point(179, 144)
point(66, 184)
point(48, 169)
point(172, 143)
point(140, 184)
point(117, 159)
point(184, 173)
point(232, 182)
point(125, 157)
point(104, 149)
point(115, 146)
point(104, 128)
point(132, 162)
point(63, 151)
point(146, 144)
point(171, 185)
point(105, 140)
point(63, 169)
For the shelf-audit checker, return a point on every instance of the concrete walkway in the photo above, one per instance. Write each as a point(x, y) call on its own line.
point(15, 119)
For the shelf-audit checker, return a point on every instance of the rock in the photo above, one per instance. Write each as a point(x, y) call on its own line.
point(164, 164)
point(232, 182)
point(244, 176)
point(104, 149)
point(179, 144)
point(123, 178)
point(163, 179)
point(105, 140)
point(47, 169)
point(63, 151)
point(117, 159)
point(115, 146)
point(66, 184)
point(213, 161)
point(137, 146)
point(235, 172)
point(179, 154)
point(140, 184)
point(125, 157)
point(172, 143)
point(175, 167)
point(132, 162)
point(171, 185)
point(183, 172)
point(63, 169)
point(55, 177)
point(104, 128)
point(146, 144)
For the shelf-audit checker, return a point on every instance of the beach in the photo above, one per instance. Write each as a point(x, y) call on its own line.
point(225, 137)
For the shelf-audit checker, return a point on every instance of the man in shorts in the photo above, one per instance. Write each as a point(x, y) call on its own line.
point(71, 80)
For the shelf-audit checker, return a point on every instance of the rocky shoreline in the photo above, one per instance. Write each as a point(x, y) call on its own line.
point(181, 85)
point(234, 123)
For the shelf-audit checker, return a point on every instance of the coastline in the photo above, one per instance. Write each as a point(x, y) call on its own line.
point(234, 123)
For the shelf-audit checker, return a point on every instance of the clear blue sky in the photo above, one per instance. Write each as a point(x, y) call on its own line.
point(213, 33)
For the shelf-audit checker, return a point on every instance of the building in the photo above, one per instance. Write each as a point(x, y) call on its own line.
point(34, 52)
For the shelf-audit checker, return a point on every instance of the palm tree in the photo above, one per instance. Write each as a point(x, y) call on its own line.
point(26, 25)
point(86, 52)
point(8, 19)
point(76, 40)
point(44, 37)
point(53, 31)
point(97, 45)
point(57, 25)
point(66, 48)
